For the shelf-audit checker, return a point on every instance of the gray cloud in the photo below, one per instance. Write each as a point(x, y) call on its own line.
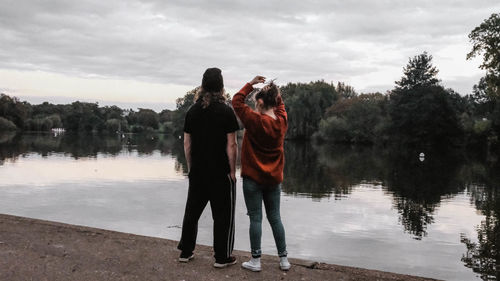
point(174, 41)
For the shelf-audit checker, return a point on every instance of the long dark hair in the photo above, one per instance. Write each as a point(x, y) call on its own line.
point(208, 98)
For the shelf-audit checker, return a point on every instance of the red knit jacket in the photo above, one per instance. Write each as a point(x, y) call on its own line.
point(262, 154)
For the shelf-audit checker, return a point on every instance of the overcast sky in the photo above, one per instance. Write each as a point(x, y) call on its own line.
point(148, 53)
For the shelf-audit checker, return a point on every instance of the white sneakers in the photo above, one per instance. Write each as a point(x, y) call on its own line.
point(254, 264)
point(284, 264)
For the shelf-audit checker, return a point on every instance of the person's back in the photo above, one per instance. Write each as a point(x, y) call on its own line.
point(262, 162)
point(210, 148)
point(262, 153)
point(209, 128)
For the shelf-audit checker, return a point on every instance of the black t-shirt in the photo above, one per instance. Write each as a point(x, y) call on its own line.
point(208, 128)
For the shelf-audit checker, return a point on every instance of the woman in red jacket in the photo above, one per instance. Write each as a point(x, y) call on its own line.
point(262, 161)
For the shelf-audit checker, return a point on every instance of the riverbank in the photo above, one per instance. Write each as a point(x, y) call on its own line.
point(32, 249)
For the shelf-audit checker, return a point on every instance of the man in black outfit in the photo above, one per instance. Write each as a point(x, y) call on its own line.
point(210, 148)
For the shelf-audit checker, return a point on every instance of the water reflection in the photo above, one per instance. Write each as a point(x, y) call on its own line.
point(483, 256)
point(306, 175)
point(417, 187)
point(77, 146)
point(322, 172)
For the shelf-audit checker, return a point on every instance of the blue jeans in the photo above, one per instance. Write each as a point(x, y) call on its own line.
point(254, 195)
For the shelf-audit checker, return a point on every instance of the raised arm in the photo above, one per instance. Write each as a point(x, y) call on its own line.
point(240, 107)
point(279, 110)
point(244, 112)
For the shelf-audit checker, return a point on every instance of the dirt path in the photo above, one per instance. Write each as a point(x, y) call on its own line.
point(33, 249)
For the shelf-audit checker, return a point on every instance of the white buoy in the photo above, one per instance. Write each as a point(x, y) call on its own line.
point(421, 157)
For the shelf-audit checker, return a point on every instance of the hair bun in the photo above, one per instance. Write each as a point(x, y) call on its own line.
point(269, 96)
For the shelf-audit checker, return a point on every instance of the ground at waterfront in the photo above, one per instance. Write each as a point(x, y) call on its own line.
point(32, 249)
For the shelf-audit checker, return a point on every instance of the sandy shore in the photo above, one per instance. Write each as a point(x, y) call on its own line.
point(32, 249)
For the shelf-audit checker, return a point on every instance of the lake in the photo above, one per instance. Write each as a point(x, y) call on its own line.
point(370, 207)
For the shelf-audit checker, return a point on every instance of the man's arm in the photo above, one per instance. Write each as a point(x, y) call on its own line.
point(231, 149)
point(187, 149)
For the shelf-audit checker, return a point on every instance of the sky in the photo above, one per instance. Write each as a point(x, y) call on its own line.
point(147, 53)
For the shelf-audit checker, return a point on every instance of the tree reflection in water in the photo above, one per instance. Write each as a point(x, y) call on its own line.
point(483, 256)
point(77, 146)
point(305, 175)
point(325, 171)
point(419, 186)
point(416, 187)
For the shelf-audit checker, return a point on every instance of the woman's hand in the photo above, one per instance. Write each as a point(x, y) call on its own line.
point(258, 79)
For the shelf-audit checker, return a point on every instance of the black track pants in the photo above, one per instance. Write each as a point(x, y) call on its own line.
point(220, 191)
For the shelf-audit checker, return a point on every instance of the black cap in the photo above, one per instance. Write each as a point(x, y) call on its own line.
point(212, 80)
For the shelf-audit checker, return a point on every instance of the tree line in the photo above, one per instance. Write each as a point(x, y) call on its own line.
point(419, 110)
point(79, 117)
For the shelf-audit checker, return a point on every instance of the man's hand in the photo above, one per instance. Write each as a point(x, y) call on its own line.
point(233, 177)
point(187, 149)
point(231, 150)
point(258, 79)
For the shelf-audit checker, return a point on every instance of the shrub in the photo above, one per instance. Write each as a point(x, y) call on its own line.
point(7, 125)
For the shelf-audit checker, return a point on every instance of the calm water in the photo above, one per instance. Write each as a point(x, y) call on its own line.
point(358, 206)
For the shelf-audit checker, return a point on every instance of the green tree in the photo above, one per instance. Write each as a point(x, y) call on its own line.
point(111, 112)
point(83, 117)
point(345, 91)
point(56, 121)
point(361, 119)
point(424, 115)
point(182, 106)
point(14, 110)
point(46, 109)
point(7, 125)
point(333, 128)
point(166, 115)
point(485, 40)
point(114, 124)
point(148, 118)
point(144, 120)
point(306, 105)
point(418, 73)
point(422, 112)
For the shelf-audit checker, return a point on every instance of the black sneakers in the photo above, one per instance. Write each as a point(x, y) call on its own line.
point(222, 263)
point(225, 263)
point(186, 257)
